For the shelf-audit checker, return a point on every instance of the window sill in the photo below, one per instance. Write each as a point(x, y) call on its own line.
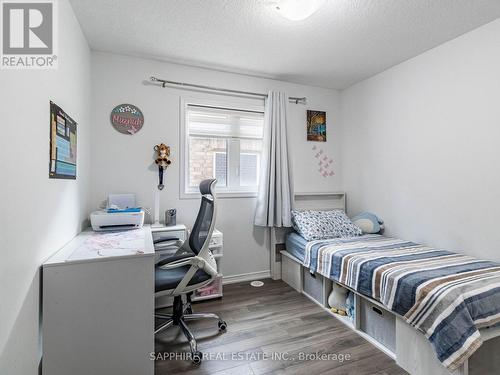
point(235, 194)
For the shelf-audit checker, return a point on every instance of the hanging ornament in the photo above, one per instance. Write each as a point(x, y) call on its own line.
point(163, 161)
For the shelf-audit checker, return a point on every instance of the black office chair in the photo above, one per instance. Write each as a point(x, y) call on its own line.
point(193, 266)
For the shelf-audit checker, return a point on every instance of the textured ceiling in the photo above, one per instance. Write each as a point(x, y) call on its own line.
point(344, 42)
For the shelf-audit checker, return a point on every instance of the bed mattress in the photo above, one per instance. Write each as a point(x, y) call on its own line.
point(296, 245)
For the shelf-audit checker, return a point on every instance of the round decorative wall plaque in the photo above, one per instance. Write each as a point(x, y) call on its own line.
point(127, 118)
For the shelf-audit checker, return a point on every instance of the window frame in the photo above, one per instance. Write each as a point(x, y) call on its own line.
point(246, 104)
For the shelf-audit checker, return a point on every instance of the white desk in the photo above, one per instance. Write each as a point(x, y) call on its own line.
point(98, 305)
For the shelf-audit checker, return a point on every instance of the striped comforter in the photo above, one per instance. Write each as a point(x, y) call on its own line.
point(445, 295)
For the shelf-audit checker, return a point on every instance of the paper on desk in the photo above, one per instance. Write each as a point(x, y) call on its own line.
point(110, 244)
point(121, 200)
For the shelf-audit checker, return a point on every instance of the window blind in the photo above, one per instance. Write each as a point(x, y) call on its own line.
point(222, 122)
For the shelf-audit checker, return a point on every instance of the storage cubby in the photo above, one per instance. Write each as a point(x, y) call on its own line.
point(313, 285)
point(378, 323)
point(318, 288)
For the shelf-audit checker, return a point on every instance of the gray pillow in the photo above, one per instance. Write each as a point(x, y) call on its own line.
point(320, 225)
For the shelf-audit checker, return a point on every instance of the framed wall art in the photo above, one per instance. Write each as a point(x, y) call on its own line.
point(316, 126)
point(63, 137)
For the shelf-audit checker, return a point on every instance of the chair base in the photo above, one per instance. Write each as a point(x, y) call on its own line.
point(182, 314)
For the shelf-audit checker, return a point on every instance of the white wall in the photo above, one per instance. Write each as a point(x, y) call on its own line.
point(39, 214)
point(421, 145)
point(123, 163)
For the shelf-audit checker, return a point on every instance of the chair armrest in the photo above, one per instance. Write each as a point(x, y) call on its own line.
point(174, 258)
point(189, 260)
point(168, 239)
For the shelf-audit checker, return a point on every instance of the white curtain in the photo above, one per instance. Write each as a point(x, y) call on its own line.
point(275, 198)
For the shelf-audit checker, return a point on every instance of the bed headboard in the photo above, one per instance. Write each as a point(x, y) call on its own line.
point(302, 201)
point(319, 201)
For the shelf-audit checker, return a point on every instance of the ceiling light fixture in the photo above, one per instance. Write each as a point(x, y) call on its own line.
point(296, 10)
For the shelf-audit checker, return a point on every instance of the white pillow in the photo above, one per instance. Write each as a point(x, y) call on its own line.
point(319, 225)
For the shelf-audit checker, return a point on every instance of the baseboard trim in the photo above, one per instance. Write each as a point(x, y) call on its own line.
point(246, 277)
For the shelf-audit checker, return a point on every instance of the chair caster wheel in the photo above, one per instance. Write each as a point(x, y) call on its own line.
point(196, 360)
point(222, 325)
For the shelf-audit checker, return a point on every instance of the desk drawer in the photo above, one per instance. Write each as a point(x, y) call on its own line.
point(180, 234)
point(209, 291)
point(217, 252)
point(168, 246)
point(215, 242)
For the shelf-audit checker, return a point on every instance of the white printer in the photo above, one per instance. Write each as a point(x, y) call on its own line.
point(121, 214)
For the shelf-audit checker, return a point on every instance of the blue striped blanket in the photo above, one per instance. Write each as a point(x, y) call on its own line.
point(446, 296)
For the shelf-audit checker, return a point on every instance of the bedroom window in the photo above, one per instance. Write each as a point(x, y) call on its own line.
point(224, 143)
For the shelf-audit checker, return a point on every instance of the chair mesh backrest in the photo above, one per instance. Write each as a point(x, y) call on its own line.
point(204, 219)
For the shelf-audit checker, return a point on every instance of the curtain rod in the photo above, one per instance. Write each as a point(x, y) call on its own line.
point(164, 83)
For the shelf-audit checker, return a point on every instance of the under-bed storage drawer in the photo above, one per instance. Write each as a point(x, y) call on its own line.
point(313, 285)
point(378, 323)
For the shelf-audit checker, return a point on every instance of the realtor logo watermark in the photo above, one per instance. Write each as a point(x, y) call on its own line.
point(28, 34)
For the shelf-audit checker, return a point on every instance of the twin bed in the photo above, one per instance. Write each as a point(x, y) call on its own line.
point(448, 297)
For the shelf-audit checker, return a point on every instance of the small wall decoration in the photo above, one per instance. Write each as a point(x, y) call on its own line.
point(127, 118)
point(325, 163)
point(163, 161)
point(316, 126)
point(62, 144)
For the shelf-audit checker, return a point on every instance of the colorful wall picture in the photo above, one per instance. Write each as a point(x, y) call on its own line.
point(127, 119)
point(316, 126)
point(62, 144)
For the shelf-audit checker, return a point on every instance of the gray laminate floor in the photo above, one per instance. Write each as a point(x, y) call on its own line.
point(271, 330)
